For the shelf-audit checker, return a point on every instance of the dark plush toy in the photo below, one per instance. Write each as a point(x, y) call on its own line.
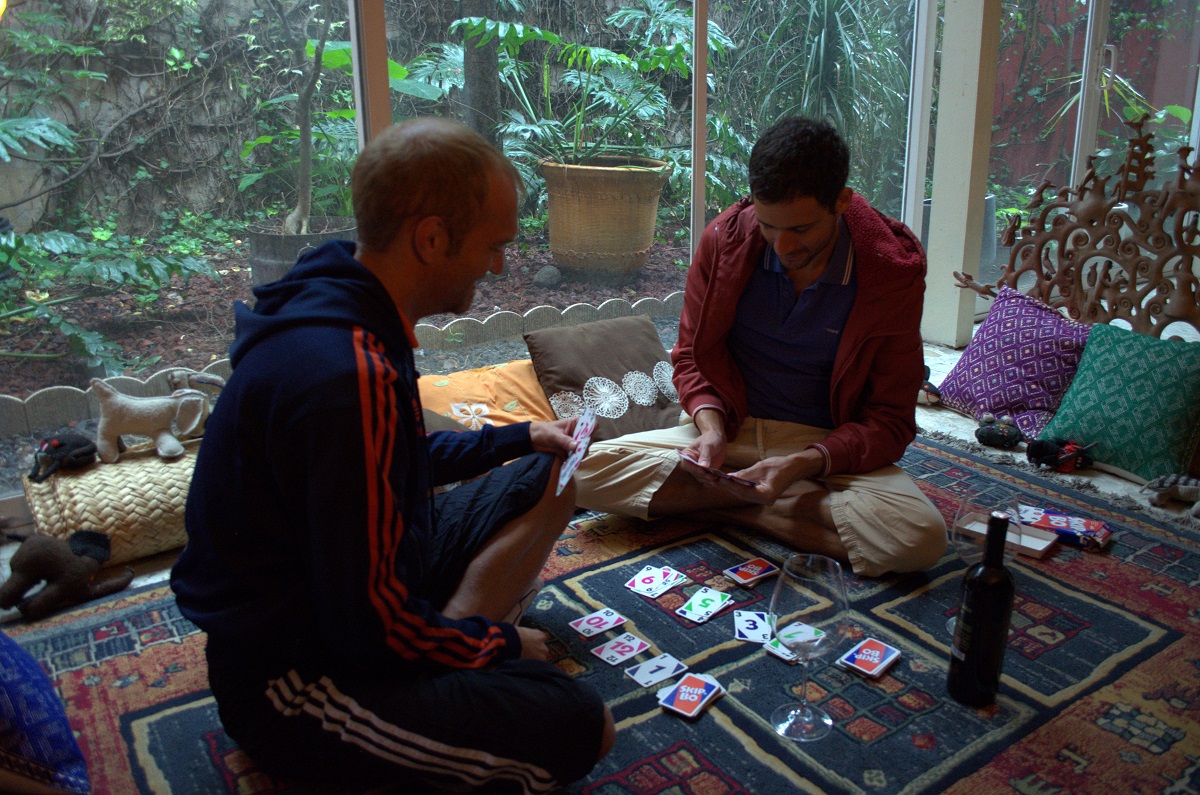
point(1061, 455)
point(65, 451)
point(69, 569)
point(1002, 432)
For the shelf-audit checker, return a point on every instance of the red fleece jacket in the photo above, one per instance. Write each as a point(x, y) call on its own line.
point(880, 362)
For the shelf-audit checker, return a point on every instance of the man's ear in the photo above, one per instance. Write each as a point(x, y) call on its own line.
point(430, 238)
point(843, 201)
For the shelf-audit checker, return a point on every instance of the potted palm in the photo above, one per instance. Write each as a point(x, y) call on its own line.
point(592, 123)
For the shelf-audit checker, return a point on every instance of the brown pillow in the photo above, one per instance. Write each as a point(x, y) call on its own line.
point(619, 367)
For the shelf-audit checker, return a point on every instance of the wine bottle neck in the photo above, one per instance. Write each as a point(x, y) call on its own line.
point(997, 534)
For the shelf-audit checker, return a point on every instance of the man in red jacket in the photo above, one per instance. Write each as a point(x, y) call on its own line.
point(798, 362)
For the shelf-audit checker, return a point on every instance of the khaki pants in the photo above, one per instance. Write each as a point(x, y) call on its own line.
point(882, 518)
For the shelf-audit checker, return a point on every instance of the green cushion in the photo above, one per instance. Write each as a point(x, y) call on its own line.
point(1138, 397)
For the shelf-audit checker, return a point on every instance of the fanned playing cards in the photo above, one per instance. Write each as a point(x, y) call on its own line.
point(582, 436)
point(654, 581)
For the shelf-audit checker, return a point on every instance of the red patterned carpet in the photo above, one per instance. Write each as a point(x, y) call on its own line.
point(1101, 691)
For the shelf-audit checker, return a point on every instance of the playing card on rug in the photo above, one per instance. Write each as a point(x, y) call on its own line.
point(871, 657)
point(773, 646)
point(690, 695)
point(621, 648)
point(584, 425)
point(751, 571)
point(703, 604)
point(594, 623)
point(751, 626)
point(654, 581)
point(654, 670)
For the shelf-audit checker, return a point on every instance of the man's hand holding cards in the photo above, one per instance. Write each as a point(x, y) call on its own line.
point(719, 473)
point(584, 425)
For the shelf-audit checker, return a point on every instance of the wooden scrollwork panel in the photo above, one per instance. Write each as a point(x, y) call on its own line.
point(1109, 248)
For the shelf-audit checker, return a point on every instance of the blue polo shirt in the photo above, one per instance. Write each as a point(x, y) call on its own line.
point(785, 344)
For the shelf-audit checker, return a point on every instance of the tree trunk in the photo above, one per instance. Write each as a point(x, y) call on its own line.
point(481, 77)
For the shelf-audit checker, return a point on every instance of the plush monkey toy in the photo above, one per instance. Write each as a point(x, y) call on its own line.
point(69, 569)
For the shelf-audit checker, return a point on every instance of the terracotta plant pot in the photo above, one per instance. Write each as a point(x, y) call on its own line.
point(601, 216)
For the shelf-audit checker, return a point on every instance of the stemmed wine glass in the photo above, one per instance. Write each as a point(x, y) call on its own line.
point(968, 534)
point(808, 617)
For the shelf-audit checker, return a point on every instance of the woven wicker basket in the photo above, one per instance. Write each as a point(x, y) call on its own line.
point(601, 216)
point(137, 502)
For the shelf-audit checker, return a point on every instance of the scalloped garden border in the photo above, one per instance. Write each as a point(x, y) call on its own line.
point(56, 406)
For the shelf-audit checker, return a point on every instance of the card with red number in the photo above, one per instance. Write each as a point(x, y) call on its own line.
point(751, 571)
point(654, 581)
point(622, 648)
point(871, 657)
point(595, 623)
point(584, 425)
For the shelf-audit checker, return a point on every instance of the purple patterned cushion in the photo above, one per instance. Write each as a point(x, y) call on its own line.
point(1020, 362)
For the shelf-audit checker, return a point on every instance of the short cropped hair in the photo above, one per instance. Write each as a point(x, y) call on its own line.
point(799, 157)
point(423, 167)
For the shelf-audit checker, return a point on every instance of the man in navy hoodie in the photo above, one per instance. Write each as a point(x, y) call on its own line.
point(360, 627)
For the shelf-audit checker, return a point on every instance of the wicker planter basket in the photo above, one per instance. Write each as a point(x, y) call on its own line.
point(602, 215)
point(138, 502)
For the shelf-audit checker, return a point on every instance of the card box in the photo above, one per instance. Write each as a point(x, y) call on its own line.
point(869, 657)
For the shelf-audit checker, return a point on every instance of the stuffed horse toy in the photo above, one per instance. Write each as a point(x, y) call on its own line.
point(167, 419)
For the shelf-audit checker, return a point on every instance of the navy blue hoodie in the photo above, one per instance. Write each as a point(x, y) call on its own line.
point(312, 490)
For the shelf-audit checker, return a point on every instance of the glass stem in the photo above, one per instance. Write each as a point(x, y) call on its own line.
point(803, 699)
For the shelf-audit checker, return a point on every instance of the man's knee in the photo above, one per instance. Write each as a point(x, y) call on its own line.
point(922, 543)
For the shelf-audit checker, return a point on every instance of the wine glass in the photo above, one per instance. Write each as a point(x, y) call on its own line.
point(968, 533)
point(808, 617)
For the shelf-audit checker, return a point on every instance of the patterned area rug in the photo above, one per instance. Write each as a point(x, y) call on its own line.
point(1101, 687)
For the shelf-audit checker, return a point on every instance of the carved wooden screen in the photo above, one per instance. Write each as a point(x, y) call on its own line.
point(1109, 248)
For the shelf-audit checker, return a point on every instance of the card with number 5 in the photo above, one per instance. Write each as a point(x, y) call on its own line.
point(594, 623)
point(621, 648)
point(703, 604)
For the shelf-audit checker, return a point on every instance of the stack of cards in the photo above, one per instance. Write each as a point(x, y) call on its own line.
point(595, 623)
point(620, 648)
point(773, 646)
point(691, 694)
point(751, 571)
point(654, 670)
point(870, 657)
point(654, 581)
point(703, 605)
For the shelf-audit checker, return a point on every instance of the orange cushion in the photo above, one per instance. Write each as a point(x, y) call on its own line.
point(500, 394)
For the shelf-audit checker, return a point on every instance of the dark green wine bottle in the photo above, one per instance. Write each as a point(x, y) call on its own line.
point(981, 629)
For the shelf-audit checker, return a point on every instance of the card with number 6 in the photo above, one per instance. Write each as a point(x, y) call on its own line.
point(595, 623)
point(621, 648)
